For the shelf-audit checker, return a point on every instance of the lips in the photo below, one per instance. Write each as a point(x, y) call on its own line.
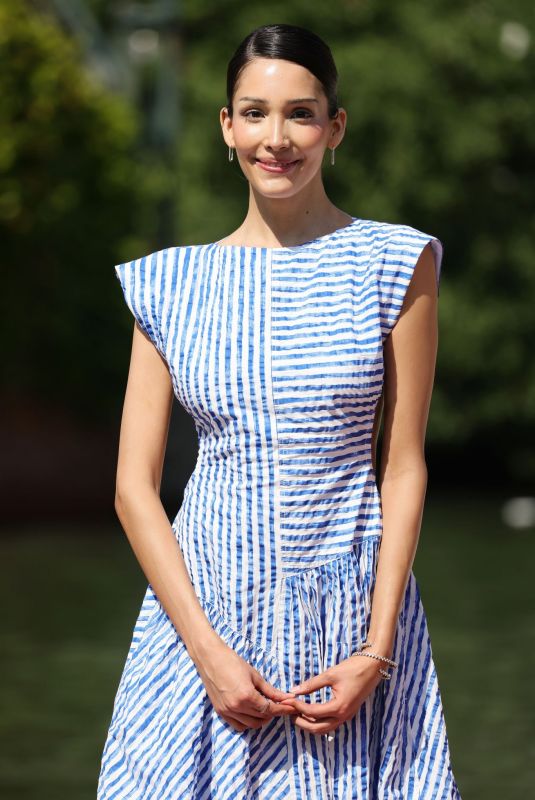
point(270, 165)
point(273, 163)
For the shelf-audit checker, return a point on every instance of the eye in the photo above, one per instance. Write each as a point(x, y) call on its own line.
point(248, 114)
point(305, 111)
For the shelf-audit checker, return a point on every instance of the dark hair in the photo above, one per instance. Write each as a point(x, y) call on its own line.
point(291, 43)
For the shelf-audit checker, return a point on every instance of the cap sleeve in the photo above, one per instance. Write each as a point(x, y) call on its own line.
point(398, 256)
point(138, 281)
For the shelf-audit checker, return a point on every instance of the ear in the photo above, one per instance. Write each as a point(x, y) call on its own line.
point(338, 127)
point(226, 126)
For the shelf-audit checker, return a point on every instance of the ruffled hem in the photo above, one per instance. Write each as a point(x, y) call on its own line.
point(166, 741)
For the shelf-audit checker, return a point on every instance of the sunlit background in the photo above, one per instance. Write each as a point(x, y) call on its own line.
point(110, 148)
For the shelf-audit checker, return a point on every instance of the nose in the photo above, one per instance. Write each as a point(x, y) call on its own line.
point(276, 136)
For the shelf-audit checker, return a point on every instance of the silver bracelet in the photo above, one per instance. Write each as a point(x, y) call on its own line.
point(377, 657)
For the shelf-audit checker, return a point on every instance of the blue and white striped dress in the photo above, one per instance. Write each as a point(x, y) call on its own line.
point(277, 354)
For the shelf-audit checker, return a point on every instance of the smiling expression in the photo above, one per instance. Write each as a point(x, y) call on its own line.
point(280, 125)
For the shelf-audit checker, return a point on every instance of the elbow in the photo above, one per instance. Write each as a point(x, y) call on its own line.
point(119, 501)
point(124, 491)
point(127, 492)
point(414, 468)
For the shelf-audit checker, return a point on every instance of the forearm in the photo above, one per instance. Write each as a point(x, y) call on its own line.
point(151, 537)
point(402, 501)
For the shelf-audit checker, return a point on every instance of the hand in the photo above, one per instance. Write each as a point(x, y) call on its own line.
point(237, 690)
point(352, 680)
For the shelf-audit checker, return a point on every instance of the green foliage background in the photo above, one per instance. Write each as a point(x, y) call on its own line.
point(441, 135)
point(74, 199)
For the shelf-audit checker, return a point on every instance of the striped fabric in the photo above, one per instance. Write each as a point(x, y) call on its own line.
point(277, 354)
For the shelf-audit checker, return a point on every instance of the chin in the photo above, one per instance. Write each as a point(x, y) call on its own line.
point(273, 192)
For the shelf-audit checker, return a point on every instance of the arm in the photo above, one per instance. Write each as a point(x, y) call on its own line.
point(143, 438)
point(237, 691)
point(410, 356)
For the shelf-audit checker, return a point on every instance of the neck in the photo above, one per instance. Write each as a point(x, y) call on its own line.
point(289, 221)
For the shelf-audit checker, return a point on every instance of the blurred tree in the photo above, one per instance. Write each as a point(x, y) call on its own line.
point(74, 199)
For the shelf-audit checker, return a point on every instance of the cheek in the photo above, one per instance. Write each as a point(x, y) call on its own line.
point(311, 136)
point(246, 133)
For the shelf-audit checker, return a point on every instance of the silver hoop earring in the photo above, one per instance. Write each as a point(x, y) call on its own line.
point(230, 153)
point(332, 156)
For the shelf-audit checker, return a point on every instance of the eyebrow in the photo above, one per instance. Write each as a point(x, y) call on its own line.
point(261, 100)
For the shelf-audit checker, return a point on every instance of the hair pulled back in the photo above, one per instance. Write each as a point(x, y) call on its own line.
point(291, 43)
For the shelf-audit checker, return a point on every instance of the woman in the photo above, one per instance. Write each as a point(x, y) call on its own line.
point(281, 650)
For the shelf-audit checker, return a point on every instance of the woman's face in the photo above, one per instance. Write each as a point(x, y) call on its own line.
point(280, 126)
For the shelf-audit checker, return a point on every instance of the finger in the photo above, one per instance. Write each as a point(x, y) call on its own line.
point(247, 719)
point(254, 720)
point(260, 707)
point(268, 690)
point(234, 723)
point(321, 710)
point(294, 712)
point(282, 710)
point(311, 685)
point(325, 726)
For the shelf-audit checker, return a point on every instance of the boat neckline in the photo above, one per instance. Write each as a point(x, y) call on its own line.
point(290, 246)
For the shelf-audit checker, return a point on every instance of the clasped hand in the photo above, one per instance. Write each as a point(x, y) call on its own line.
point(351, 681)
point(239, 693)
